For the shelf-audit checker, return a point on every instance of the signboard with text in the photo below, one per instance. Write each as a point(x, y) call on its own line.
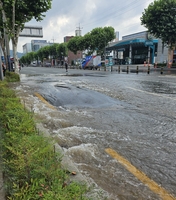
point(106, 62)
point(110, 63)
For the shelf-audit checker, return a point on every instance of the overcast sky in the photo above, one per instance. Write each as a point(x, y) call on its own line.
point(66, 16)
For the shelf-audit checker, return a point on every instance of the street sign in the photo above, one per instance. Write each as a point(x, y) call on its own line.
point(32, 31)
point(148, 43)
point(110, 63)
point(106, 62)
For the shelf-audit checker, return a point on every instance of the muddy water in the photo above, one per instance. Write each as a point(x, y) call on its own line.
point(132, 114)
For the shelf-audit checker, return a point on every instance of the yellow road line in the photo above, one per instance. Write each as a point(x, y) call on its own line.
point(141, 176)
point(44, 101)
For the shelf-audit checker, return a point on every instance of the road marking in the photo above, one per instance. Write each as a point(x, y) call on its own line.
point(44, 101)
point(140, 175)
point(151, 93)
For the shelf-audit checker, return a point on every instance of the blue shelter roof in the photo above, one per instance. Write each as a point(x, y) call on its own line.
point(133, 42)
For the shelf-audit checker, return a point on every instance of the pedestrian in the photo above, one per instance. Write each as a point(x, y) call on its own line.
point(66, 66)
point(3, 69)
point(19, 66)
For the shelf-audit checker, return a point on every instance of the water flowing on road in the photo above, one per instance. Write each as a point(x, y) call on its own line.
point(133, 114)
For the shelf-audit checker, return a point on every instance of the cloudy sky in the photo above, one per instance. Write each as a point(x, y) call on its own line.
point(66, 16)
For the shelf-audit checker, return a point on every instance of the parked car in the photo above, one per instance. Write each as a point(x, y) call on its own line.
point(47, 64)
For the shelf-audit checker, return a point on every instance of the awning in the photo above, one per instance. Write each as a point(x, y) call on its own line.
point(134, 42)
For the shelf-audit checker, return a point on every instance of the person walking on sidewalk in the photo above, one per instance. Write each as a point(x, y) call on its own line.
point(66, 66)
point(3, 69)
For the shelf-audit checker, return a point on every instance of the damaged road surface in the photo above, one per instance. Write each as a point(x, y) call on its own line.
point(117, 129)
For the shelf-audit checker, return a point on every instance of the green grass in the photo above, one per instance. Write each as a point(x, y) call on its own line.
point(12, 77)
point(32, 169)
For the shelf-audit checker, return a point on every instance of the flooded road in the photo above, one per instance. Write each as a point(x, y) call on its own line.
point(131, 114)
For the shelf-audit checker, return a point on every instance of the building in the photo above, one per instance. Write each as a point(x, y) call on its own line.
point(117, 36)
point(27, 48)
point(71, 55)
point(35, 45)
point(67, 38)
point(138, 48)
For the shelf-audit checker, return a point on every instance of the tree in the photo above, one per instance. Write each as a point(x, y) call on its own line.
point(73, 44)
point(53, 50)
point(16, 13)
point(26, 59)
point(160, 20)
point(62, 50)
point(2, 39)
point(100, 37)
point(96, 40)
point(44, 52)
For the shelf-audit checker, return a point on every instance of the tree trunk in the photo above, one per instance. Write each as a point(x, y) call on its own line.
point(170, 57)
point(1, 72)
point(15, 58)
point(5, 55)
point(2, 43)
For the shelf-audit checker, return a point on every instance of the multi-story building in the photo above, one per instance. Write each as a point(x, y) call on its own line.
point(140, 47)
point(27, 48)
point(35, 45)
point(71, 55)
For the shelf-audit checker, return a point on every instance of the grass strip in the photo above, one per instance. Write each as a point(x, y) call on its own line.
point(32, 169)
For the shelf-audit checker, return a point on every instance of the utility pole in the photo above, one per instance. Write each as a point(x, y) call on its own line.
point(53, 40)
point(78, 33)
point(78, 30)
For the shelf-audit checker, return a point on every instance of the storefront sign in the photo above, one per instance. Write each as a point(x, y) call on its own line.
point(148, 43)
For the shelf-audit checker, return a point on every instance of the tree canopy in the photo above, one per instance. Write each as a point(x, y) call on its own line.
point(54, 51)
point(96, 40)
point(16, 13)
point(160, 20)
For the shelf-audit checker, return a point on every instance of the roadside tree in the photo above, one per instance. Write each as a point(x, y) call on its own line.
point(15, 13)
point(62, 50)
point(159, 18)
point(73, 44)
point(53, 50)
point(26, 59)
point(2, 44)
point(96, 40)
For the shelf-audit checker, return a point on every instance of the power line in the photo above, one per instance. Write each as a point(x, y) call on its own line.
point(53, 40)
point(116, 13)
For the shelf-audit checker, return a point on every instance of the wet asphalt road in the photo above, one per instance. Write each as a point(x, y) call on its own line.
point(134, 114)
